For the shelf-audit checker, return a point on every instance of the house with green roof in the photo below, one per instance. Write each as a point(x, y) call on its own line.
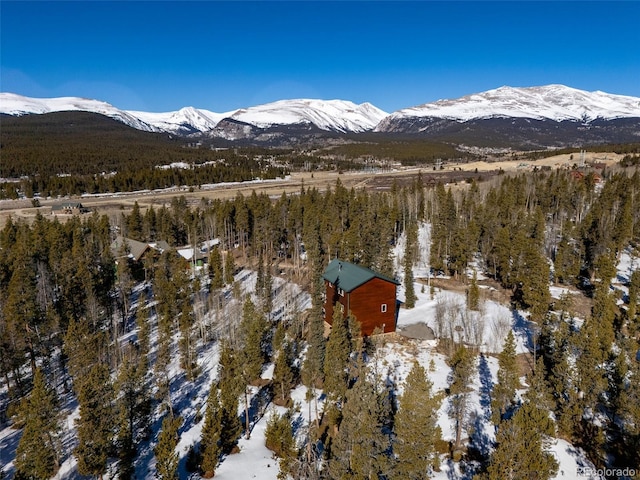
point(368, 295)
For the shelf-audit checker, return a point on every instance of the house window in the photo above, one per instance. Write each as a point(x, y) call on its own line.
point(341, 292)
point(383, 308)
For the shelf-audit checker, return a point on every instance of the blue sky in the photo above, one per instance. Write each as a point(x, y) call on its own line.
point(161, 56)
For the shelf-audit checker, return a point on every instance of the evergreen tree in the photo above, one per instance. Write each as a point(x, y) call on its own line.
point(20, 309)
point(462, 371)
point(591, 373)
point(216, 271)
point(96, 422)
point(313, 365)
point(409, 255)
point(283, 374)
point(229, 267)
point(186, 343)
point(253, 329)
point(603, 319)
point(629, 411)
point(267, 287)
point(532, 280)
point(415, 427)
point(38, 453)
point(165, 450)
point(336, 362)
point(522, 446)
point(634, 291)
point(473, 294)
point(539, 392)
point(503, 395)
point(566, 262)
point(230, 388)
point(211, 440)
point(134, 412)
point(279, 438)
point(361, 449)
point(134, 223)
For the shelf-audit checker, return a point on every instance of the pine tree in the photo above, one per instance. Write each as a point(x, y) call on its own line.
point(20, 309)
point(591, 365)
point(280, 440)
point(229, 267)
point(279, 434)
point(532, 280)
point(337, 355)
point(216, 271)
point(38, 453)
point(629, 411)
point(503, 394)
point(165, 450)
point(415, 427)
point(313, 365)
point(522, 446)
point(462, 371)
point(230, 388)
point(211, 440)
point(473, 294)
point(361, 449)
point(253, 329)
point(603, 318)
point(539, 392)
point(134, 223)
point(96, 422)
point(283, 374)
point(634, 291)
point(409, 255)
point(134, 412)
point(186, 343)
point(266, 296)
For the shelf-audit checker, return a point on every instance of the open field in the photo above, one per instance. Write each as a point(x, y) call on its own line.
point(114, 204)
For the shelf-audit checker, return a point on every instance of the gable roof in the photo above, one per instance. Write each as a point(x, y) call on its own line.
point(348, 276)
point(136, 248)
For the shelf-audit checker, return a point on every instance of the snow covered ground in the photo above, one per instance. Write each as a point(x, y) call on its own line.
point(486, 329)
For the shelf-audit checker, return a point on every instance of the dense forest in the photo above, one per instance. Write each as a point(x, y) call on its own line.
point(66, 300)
point(75, 153)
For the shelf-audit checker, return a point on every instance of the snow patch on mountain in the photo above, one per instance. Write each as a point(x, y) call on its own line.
point(550, 102)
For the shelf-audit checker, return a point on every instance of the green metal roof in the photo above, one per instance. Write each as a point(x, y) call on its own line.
point(348, 276)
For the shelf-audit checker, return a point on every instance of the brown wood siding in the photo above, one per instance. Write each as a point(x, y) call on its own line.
point(365, 303)
point(331, 298)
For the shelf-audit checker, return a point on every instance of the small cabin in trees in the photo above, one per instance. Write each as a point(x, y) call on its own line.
point(369, 296)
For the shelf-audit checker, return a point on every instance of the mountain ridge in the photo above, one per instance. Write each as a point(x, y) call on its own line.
point(550, 107)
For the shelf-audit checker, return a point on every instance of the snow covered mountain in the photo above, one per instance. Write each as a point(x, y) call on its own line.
point(12, 104)
point(532, 117)
point(333, 115)
point(329, 115)
point(551, 102)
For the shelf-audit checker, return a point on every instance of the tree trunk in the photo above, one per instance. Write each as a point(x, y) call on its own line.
point(246, 414)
